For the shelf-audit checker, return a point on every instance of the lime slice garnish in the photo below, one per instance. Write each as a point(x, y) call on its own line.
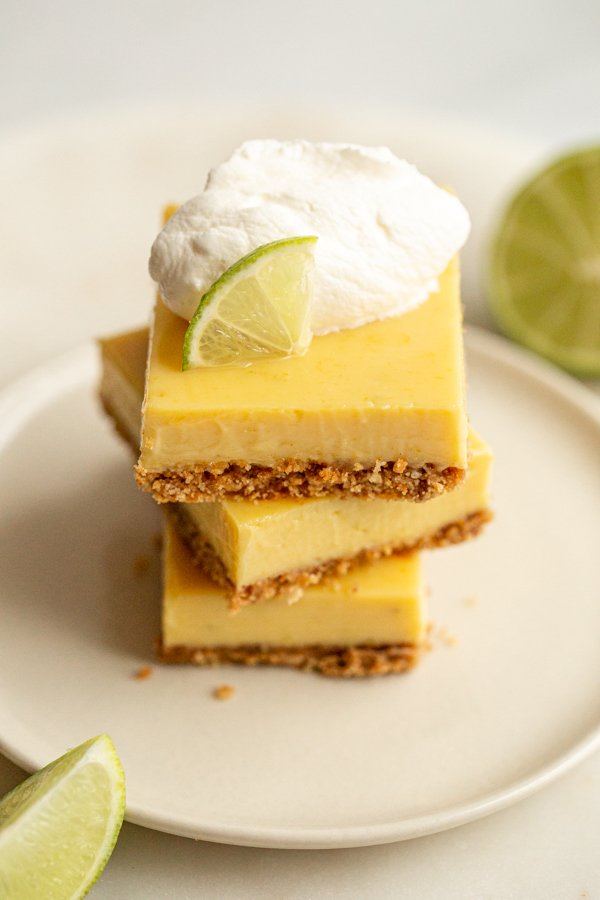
point(258, 308)
point(544, 278)
point(58, 828)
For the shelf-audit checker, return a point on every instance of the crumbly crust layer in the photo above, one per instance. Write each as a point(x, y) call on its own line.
point(395, 480)
point(360, 661)
point(291, 584)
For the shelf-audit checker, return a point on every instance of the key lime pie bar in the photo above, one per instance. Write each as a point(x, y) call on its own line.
point(376, 405)
point(369, 622)
point(260, 549)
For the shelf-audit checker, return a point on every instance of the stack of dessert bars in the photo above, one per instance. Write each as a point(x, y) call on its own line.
point(299, 493)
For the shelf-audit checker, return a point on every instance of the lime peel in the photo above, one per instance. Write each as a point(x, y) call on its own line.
point(59, 827)
point(259, 308)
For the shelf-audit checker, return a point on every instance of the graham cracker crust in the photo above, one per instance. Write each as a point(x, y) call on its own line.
point(293, 583)
point(360, 661)
point(395, 480)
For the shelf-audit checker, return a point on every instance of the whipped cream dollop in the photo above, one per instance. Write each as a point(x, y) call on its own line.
point(385, 231)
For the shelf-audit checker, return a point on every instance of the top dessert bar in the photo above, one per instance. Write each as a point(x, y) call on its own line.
point(373, 411)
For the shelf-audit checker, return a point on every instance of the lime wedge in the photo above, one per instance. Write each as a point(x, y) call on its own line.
point(58, 828)
point(544, 276)
point(258, 308)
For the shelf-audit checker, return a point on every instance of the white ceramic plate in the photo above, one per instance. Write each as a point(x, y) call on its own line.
point(296, 760)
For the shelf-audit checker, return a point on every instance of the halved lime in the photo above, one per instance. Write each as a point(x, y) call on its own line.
point(258, 308)
point(58, 828)
point(544, 274)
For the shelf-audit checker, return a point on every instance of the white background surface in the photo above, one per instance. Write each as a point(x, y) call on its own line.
point(526, 67)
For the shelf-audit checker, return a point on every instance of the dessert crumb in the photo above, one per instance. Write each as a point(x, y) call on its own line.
point(440, 633)
point(223, 692)
point(293, 595)
point(141, 564)
point(427, 642)
point(446, 637)
point(143, 673)
point(471, 600)
point(332, 581)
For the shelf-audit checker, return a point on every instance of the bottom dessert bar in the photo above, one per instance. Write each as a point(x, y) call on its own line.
point(368, 622)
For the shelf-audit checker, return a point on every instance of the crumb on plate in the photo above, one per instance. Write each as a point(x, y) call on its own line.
point(223, 692)
point(446, 637)
point(143, 673)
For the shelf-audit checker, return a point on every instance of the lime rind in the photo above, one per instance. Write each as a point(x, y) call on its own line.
point(59, 827)
point(237, 320)
point(544, 272)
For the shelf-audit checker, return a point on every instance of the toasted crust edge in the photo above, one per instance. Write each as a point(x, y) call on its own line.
point(297, 478)
point(360, 661)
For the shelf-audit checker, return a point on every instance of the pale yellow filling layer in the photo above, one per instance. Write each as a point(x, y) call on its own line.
point(388, 390)
point(123, 375)
point(381, 603)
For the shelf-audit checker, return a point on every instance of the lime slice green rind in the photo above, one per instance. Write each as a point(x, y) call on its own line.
point(259, 308)
point(544, 264)
point(59, 827)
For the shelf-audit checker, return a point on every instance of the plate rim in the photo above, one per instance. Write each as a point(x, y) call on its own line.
point(83, 360)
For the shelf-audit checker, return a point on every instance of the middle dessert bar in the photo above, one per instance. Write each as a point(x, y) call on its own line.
point(257, 550)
